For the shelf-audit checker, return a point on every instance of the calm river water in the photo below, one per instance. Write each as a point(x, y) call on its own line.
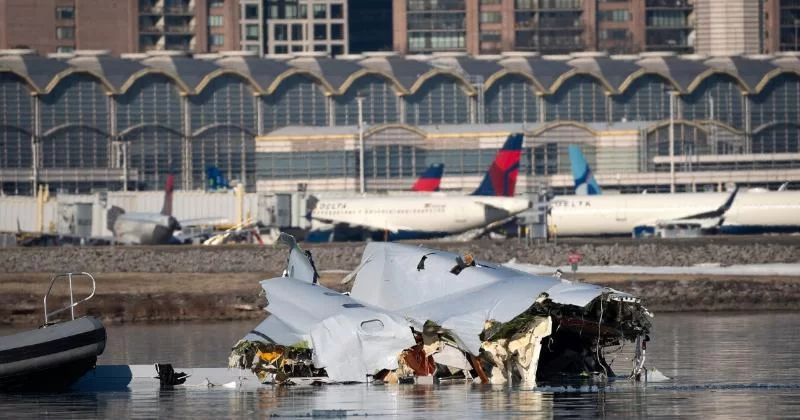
point(721, 366)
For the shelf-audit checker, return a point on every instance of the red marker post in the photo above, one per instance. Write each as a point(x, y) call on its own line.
point(574, 259)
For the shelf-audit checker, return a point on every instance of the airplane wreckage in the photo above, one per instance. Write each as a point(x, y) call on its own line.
point(416, 315)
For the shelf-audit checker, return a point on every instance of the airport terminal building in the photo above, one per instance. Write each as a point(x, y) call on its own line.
point(88, 120)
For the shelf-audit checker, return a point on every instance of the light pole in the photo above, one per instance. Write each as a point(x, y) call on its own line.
point(672, 141)
point(360, 100)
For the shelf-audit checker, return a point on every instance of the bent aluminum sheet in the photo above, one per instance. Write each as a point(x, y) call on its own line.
point(389, 278)
point(349, 338)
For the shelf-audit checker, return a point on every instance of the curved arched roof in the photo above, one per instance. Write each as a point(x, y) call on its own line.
point(113, 71)
point(38, 71)
point(406, 74)
point(334, 72)
point(265, 72)
point(191, 71)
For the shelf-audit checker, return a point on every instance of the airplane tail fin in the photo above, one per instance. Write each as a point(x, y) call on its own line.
point(585, 183)
point(501, 179)
point(169, 188)
point(430, 179)
point(111, 216)
point(216, 181)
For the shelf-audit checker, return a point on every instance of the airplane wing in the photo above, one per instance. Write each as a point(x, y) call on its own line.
point(206, 221)
point(364, 225)
point(704, 220)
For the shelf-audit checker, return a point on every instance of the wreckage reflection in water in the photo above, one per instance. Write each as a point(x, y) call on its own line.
point(723, 366)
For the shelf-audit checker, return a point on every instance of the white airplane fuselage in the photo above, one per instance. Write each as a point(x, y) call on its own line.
point(144, 228)
point(597, 215)
point(419, 216)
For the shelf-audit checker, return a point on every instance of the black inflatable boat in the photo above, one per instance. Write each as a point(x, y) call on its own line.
point(56, 355)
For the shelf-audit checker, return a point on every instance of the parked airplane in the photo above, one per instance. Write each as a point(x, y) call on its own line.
point(585, 183)
point(638, 214)
point(753, 211)
point(150, 228)
point(430, 180)
point(429, 216)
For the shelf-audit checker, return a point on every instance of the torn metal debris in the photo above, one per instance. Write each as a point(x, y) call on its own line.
point(416, 313)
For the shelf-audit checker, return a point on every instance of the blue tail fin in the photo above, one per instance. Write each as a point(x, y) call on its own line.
point(585, 183)
point(430, 179)
point(216, 181)
point(501, 178)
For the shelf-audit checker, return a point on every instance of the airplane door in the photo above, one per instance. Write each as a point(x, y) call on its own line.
point(622, 213)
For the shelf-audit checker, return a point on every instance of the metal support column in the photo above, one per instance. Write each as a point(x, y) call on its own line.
point(37, 132)
point(360, 100)
point(186, 149)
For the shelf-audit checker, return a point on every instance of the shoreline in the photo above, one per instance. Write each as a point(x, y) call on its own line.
point(173, 297)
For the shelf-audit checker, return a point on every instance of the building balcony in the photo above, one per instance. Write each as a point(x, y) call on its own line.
point(151, 29)
point(180, 29)
point(179, 10)
point(150, 10)
point(668, 5)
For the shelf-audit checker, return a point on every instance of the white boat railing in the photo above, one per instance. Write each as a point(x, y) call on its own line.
point(72, 302)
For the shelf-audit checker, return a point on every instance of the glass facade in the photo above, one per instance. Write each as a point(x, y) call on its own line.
point(150, 125)
point(436, 25)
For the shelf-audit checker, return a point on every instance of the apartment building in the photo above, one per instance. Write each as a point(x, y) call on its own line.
point(121, 26)
point(546, 26)
point(287, 26)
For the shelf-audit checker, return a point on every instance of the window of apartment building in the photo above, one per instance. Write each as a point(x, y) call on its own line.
point(320, 11)
point(215, 21)
point(251, 11)
point(337, 49)
point(337, 11)
point(614, 34)
point(614, 15)
point(65, 12)
point(320, 31)
point(65, 49)
point(524, 4)
point(321, 47)
point(217, 39)
point(216, 3)
point(280, 33)
point(667, 19)
point(336, 31)
point(483, 2)
point(297, 48)
point(253, 48)
point(491, 17)
point(490, 36)
point(297, 32)
point(281, 49)
point(65, 32)
point(251, 32)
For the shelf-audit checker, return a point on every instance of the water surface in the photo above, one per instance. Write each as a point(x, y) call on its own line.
point(721, 366)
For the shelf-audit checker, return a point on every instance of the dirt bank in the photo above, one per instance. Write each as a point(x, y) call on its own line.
point(147, 297)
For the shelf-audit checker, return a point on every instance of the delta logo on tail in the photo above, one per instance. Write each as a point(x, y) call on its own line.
point(430, 179)
point(502, 176)
point(216, 181)
point(585, 183)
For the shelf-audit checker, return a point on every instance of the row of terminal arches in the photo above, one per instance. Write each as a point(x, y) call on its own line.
point(300, 100)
